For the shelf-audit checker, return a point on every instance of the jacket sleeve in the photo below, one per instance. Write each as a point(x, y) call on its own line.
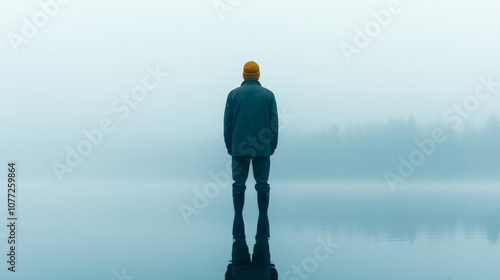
point(274, 123)
point(228, 122)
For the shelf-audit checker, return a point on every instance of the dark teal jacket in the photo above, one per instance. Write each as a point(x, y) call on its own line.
point(251, 120)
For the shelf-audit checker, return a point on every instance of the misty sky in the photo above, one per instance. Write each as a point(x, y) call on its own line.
point(67, 76)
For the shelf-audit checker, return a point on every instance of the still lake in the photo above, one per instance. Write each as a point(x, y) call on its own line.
point(135, 230)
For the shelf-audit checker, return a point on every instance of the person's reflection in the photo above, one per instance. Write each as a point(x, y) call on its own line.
point(259, 266)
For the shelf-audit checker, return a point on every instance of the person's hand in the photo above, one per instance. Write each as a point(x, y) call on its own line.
point(229, 152)
point(272, 152)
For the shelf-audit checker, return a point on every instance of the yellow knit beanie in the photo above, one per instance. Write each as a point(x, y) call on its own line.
point(251, 70)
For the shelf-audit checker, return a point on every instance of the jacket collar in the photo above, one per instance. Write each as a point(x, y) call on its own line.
point(251, 82)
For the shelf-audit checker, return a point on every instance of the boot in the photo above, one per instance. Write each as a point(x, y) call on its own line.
point(238, 224)
point(263, 221)
point(261, 253)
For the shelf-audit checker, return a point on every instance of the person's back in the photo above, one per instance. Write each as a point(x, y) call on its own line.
point(251, 120)
point(251, 136)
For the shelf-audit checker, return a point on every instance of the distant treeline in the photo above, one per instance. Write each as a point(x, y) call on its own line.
point(398, 147)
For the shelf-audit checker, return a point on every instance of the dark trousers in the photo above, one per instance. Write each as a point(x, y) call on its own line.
point(241, 166)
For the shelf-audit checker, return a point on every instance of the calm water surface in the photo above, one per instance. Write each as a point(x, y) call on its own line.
point(118, 231)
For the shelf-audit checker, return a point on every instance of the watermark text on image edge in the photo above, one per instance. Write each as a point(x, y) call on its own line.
point(12, 218)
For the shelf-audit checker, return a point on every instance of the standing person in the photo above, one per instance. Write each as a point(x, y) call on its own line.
point(251, 136)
